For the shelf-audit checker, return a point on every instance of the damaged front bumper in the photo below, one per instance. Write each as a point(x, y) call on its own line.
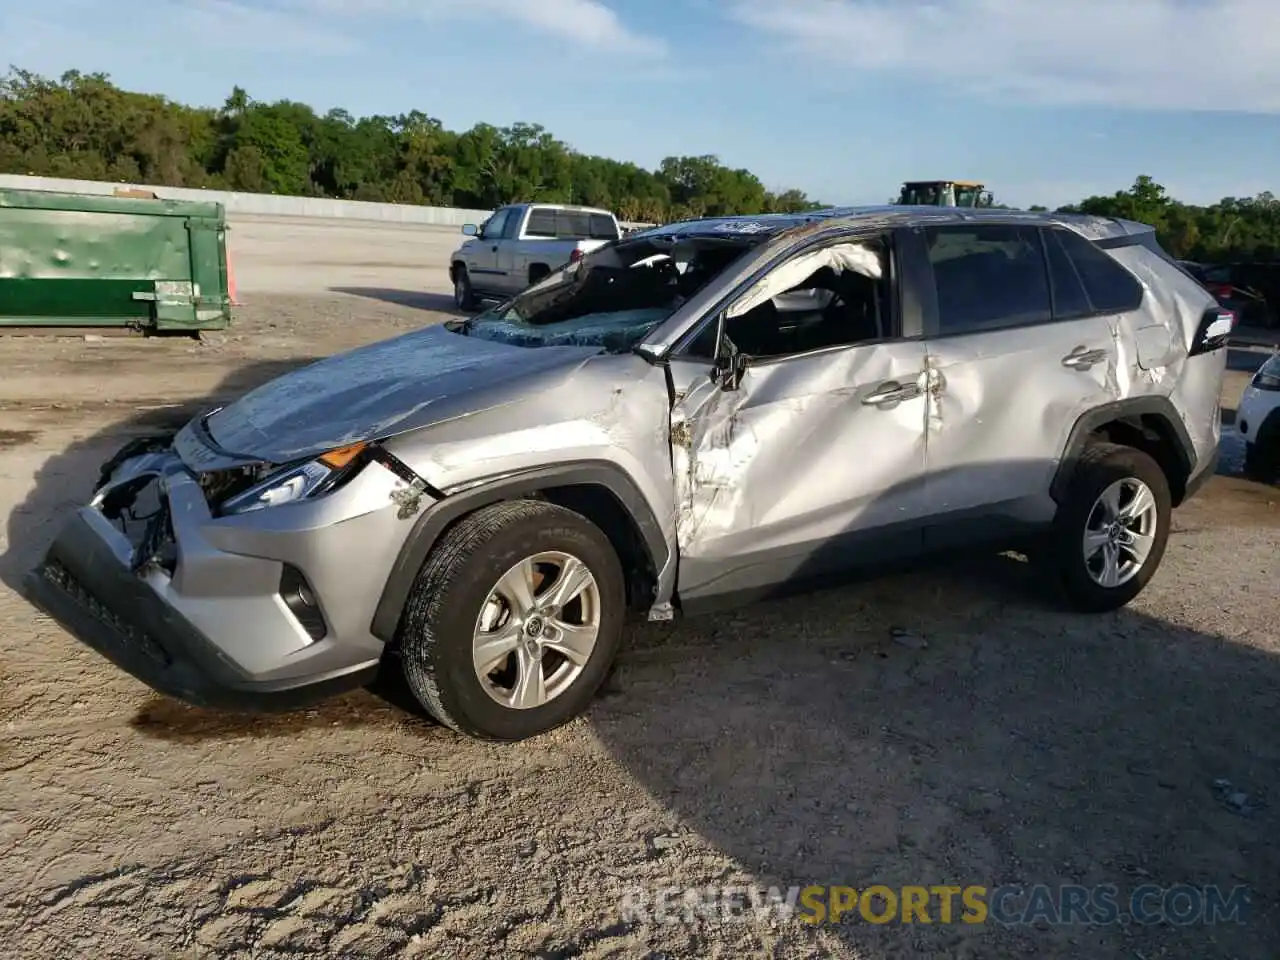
point(143, 575)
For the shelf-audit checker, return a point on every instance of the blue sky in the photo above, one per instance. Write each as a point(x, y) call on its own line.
point(1044, 102)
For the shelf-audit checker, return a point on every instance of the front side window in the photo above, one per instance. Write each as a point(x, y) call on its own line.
point(988, 277)
point(512, 229)
point(493, 227)
point(830, 296)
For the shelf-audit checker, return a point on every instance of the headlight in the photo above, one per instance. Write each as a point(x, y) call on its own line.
point(1268, 377)
point(298, 482)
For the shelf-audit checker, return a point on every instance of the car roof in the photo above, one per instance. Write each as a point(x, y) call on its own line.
point(764, 226)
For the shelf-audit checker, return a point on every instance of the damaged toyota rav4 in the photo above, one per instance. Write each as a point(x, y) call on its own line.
point(691, 415)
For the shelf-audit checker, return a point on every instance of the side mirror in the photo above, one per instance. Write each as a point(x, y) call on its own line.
point(470, 229)
point(731, 370)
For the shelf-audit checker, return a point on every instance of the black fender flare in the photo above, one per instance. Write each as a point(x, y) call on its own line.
point(440, 515)
point(1159, 409)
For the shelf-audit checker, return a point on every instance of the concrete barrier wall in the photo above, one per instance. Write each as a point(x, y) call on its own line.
point(264, 204)
point(267, 204)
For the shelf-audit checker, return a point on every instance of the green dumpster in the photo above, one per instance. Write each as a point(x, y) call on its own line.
point(71, 260)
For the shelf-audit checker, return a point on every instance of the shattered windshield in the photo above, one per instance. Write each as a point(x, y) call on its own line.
point(612, 297)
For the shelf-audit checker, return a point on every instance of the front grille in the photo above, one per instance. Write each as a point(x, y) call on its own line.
point(129, 636)
point(139, 509)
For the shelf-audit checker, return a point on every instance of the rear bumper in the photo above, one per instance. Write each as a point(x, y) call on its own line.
point(1208, 467)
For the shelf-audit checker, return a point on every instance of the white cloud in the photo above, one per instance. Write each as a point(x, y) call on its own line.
point(591, 24)
point(243, 27)
point(80, 31)
point(1158, 54)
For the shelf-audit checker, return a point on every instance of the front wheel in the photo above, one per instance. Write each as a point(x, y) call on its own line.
point(514, 620)
point(464, 297)
point(1112, 527)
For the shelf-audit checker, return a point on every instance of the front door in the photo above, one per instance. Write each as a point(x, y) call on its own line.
point(482, 258)
point(810, 458)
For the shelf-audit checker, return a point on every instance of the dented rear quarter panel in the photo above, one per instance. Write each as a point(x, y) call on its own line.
point(1166, 327)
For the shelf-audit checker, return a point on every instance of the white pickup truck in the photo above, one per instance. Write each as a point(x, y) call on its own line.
point(520, 244)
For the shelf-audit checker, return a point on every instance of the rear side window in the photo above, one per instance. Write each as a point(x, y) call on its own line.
point(1111, 288)
point(603, 227)
point(1069, 297)
point(542, 222)
point(988, 277)
point(570, 225)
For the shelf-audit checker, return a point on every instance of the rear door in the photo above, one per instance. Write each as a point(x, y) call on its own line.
point(1016, 353)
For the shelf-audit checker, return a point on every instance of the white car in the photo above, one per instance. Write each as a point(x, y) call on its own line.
point(1258, 420)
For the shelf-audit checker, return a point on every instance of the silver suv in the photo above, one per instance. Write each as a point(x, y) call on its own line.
point(691, 415)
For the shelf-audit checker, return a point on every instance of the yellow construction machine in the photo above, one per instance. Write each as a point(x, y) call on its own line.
point(944, 193)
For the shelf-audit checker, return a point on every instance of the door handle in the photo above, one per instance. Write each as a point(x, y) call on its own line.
point(1082, 358)
point(494, 248)
point(891, 393)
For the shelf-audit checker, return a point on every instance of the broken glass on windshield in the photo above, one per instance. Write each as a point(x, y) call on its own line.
point(611, 298)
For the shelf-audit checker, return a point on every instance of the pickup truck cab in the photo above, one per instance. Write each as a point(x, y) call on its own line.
point(521, 244)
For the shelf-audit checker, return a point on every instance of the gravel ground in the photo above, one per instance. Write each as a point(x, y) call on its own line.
point(945, 725)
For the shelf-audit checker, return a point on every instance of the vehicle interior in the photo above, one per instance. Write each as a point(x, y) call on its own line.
point(843, 298)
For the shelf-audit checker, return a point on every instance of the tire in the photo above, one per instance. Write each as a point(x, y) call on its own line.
point(464, 297)
point(538, 272)
point(1262, 463)
point(459, 583)
point(1105, 467)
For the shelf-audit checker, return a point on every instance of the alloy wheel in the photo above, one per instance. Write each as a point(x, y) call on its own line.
point(1120, 532)
point(536, 630)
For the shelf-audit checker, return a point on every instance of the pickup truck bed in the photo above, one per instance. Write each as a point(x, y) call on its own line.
point(520, 244)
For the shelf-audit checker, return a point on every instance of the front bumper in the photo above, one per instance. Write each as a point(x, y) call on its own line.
point(192, 607)
point(83, 586)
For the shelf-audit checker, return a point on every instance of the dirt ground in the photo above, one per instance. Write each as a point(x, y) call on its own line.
point(790, 743)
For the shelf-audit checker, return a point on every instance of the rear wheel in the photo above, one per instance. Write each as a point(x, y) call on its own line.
point(514, 620)
point(1112, 527)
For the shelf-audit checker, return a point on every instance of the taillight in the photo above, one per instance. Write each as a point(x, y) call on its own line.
point(1215, 327)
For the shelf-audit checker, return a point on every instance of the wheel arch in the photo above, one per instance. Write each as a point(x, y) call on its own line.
point(1149, 424)
point(599, 490)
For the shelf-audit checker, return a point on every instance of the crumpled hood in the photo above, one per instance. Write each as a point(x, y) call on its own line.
point(378, 391)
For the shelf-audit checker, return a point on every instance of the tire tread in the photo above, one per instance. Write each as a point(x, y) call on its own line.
point(442, 574)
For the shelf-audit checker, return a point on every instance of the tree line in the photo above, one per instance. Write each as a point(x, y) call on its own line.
point(82, 126)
